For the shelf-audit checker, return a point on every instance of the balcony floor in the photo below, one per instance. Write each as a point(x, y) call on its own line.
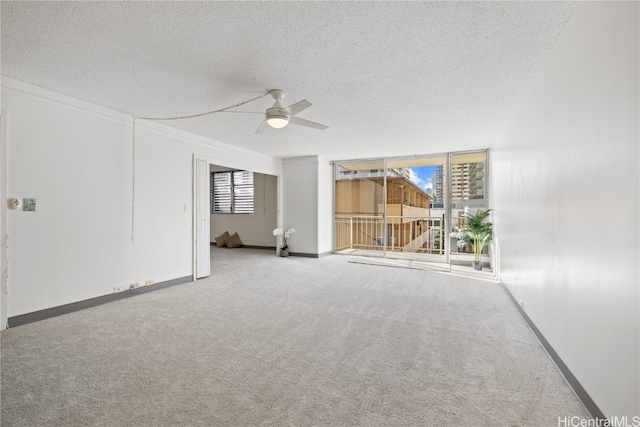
point(418, 261)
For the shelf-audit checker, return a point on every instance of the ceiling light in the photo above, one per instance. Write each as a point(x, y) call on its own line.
point(278, 122)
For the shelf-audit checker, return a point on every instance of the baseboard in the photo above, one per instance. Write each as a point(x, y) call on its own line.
point(271, 248)
point(571, 380)
point(304, 255)
point(47, 313)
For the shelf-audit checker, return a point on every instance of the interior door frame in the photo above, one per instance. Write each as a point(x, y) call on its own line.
point(254, 167)
point(196, 220)
point(4, 238)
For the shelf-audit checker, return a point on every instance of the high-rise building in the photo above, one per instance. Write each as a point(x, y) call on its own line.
point(467, 182)
point(436, 178)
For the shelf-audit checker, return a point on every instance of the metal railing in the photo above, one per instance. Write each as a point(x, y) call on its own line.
point(403, 233)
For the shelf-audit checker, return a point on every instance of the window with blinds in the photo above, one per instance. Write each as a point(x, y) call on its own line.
point(232, 192)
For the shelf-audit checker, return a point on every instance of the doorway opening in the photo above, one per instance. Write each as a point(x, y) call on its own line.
point(248, 208)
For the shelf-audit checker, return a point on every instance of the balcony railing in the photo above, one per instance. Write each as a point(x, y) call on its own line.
point(403, 233)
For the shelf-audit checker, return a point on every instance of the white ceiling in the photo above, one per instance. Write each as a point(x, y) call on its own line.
point(388, 78)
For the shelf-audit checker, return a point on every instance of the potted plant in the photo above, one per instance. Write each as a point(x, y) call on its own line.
point(476, 233)
point(284, 249)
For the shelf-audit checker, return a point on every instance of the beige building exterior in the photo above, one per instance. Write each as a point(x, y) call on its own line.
point(360, 205)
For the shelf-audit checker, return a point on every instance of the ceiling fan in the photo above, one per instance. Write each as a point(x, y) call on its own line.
point(278, 116)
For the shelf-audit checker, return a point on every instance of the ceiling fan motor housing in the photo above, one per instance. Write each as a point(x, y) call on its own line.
point(276, 113)
point(276, 117)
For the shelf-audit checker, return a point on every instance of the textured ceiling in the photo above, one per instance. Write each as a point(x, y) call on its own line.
point(388, 78)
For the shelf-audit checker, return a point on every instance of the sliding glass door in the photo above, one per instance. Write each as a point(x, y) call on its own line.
point(468, 194)
point(388, 208)
point(360, 207)
point(414, 216)
point(408, 208)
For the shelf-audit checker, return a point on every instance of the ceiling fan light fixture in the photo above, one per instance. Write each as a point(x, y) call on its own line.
point(278, 122)
point(278, 116)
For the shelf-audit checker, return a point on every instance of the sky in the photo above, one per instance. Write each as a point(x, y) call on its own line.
point(421, 176)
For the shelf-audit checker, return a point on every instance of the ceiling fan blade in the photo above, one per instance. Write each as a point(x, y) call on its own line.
point(262, 127)
point(297, 107)
point(243, 112)
point(307, 123)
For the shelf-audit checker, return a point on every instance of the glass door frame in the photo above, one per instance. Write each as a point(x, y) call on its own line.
point(448, 206)
point(455, 258)
point(444, 225)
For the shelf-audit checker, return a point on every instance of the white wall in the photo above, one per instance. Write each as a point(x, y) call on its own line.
point(566, 198)
point(76, 159)
point(255, 229)
point(308, 204)
point(325, 206)
point(300, 203)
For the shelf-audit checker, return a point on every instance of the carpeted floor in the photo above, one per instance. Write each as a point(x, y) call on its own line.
point(287, 342)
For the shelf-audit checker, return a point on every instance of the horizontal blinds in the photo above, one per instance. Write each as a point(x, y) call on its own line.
point(232, 192)
point(243, 192)
point(221, 192)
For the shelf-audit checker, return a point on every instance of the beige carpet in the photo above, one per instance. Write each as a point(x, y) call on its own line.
point(287, 342)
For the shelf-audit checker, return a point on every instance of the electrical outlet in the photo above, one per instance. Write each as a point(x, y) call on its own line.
point(118, 289)
point(148, 282)
point(134, 285)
